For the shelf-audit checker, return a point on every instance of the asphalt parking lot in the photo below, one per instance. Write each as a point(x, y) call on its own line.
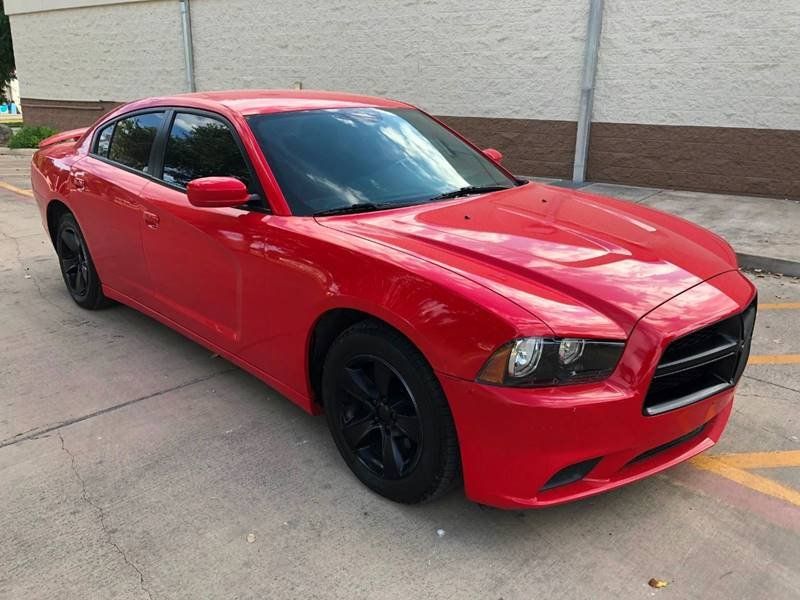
point(134, 464)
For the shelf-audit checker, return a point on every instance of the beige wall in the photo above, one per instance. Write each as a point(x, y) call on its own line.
point(13, 7)
point(514, 58)
point(517, 59)
point(110, 52)
point(727, 63)
point(732, 63)
point(690, 94)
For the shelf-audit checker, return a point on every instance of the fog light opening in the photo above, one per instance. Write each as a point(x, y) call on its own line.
point(571, 474)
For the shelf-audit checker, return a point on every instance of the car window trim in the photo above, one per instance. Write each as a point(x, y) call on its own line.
point(114, 121)
point(113, 126)
point(158, 149)
point(159, 152)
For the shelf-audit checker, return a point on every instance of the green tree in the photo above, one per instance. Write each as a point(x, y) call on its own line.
point(7, 66)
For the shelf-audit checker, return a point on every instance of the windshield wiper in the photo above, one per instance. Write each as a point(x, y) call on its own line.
point(362, 207)
point(349, 209)
point(359, 207)
point(470, 190)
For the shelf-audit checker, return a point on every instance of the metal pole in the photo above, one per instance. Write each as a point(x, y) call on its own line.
point(188, 44)
point(594, 28)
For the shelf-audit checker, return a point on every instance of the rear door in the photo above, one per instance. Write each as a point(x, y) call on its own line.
point(107, 186)
point(203, 261)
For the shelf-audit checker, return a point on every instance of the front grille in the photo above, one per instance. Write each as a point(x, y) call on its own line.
point(701, 364)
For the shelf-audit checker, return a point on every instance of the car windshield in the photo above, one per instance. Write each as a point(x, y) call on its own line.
point(331, 160)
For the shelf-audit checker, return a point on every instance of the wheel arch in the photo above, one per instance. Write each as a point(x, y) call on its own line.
point(327, 327)
point(55, 209)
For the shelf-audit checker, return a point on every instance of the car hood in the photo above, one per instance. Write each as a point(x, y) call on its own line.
point(582, 264)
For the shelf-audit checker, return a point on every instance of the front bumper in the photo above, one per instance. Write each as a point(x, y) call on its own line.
point(514, 441)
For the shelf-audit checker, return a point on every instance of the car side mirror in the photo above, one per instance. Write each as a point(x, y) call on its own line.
point(493, 155)
point(217, 192)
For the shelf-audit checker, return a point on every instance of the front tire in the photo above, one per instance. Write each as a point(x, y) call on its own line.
point(388, 415)
point(76, 264)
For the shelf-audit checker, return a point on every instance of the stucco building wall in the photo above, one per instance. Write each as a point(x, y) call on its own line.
point(691, 94)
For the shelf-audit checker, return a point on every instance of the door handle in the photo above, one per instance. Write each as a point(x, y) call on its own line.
point(78, 180)
point(151, 219)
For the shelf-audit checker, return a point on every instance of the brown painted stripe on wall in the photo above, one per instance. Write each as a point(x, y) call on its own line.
point(64, 114)
point(530, 147)
point(756, 162)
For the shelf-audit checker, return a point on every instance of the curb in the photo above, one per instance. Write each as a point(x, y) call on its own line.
point(779, 266)
point(17, 151)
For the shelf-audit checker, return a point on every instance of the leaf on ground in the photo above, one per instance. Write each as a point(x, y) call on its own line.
point(657, 583)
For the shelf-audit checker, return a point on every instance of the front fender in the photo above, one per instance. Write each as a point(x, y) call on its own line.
point(455, 322)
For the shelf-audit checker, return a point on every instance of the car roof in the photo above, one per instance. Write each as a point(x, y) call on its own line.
point(253, 102)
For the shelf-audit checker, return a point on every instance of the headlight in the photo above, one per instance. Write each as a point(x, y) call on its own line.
point(535, 361)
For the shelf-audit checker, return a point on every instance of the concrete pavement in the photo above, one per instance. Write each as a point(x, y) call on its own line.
point(15, 170)
point(134, 464)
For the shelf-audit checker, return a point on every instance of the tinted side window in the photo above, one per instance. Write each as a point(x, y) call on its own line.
point(133, 138)
point(200, 146)
point(104, 140)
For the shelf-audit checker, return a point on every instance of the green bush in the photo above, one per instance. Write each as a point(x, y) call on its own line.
point(29, 137)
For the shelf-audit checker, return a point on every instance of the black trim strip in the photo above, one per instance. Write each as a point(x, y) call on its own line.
point(700, 359)
point(158, 150)
point(688, 399)
point(663, 447)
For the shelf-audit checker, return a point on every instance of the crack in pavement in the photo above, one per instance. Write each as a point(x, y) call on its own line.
point(37, 432)
point(653, 195)
point(109, 540)
point(785, 387)
point(18, 237)
point(27, 271)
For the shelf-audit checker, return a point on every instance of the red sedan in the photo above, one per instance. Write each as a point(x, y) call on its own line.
point(451, 320)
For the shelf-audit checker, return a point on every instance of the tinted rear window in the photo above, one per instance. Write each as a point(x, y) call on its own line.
point(133, 139)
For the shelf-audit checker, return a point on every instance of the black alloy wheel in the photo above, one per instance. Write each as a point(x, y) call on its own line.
point(388, 415)
point(76, 264)
point(378, 417)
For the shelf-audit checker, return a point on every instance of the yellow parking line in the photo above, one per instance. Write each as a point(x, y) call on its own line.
point(761, 460)
point(779, 306)
point(15, 189)
point(774, 359)
point(750, 480)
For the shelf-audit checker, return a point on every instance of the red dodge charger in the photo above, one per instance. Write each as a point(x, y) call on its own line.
point(451, 320)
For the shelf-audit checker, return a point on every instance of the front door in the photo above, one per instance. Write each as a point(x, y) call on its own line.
point(202, 260)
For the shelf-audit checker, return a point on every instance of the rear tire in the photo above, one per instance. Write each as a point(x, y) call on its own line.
point(77, 268)
point(388, 415)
